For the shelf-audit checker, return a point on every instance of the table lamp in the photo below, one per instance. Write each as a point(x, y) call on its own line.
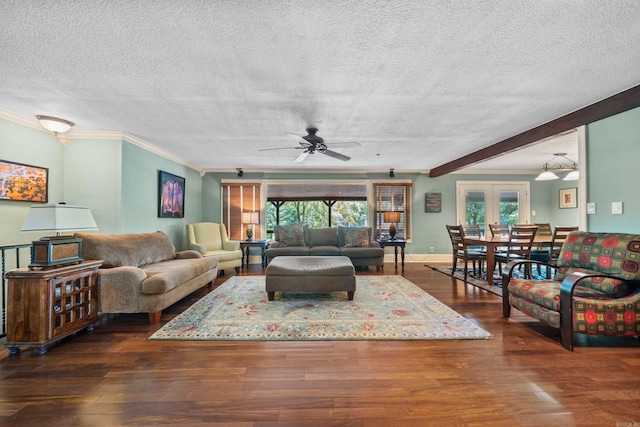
point(250, 218)
point(57, 250)
point(392, 217)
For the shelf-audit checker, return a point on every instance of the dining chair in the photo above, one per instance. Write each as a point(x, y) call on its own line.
point(499, 229)
point(541, 250)
point(519, 246)
point(553, 250)
point(462, 252)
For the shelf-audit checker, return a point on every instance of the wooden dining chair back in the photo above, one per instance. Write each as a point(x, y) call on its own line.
point(519, 246)
point(499, 230)
point(559, 236)
point(544, 229)
point(473, 230)
point(461, 251)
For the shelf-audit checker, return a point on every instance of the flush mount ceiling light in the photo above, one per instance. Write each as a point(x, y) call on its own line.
point(562, 163)
point(54, 124)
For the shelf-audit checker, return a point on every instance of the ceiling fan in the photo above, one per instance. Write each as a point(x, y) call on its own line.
point(311, 143)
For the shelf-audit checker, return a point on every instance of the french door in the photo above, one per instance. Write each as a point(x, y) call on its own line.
point(484, 202)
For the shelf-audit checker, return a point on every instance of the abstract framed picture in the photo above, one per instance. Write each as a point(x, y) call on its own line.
point(567, 198)
point(170, 195)
point(25, 183)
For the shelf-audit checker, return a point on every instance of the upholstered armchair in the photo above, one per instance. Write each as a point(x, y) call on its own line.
point(211, 239)
point(595, 290)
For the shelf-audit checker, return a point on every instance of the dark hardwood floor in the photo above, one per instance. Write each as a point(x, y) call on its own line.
point(521, 377)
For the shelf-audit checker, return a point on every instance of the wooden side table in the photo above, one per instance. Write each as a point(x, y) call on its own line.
point(396, 243)
point(47, 305)
point(245, 245)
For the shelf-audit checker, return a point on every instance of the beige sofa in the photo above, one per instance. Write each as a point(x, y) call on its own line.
point(143, 273)
point(211, 240)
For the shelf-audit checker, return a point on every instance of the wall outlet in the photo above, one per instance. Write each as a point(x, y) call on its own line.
point(432, 250)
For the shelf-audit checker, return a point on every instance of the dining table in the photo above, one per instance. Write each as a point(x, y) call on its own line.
point(493, 242)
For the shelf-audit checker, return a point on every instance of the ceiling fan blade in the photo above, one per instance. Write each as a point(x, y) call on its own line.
point(336, 155)
point(278, 148)
point(302, 156)
point(298, 138)
point(342, 144)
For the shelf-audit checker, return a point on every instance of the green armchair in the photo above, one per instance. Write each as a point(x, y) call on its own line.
point(211, 239)
point(595, 290)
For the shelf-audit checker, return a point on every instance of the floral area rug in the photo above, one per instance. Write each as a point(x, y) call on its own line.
point(383, 308)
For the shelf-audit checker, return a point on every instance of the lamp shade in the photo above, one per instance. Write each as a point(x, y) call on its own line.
point(391, 216)
point(59, 218)
point(574, 175)
point(251, 217)
point(546, 176)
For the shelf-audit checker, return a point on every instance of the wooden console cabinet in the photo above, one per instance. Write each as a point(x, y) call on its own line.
point(47, 305)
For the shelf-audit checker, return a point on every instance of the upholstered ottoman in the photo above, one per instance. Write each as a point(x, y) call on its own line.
point(320, 274)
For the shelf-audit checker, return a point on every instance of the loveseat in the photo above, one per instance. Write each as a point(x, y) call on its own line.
point(353, 242)
point(143, 273)
point(595, 290)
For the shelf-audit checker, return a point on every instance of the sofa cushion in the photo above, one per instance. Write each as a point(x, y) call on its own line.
point(223, 256)
point(135, 250)
point(167, 275)
point(356, 237)
point(612, 288)
point(291, 235)
point(362, 253)
point(323, 236)
point(324, 251)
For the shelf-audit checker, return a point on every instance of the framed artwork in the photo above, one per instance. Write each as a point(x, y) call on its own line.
point(568, 198)
point(170, 195)
point(24, 183)
point(432, 202)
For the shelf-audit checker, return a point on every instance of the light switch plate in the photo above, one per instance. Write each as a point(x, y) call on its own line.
point(616, 208)
point(591, 208)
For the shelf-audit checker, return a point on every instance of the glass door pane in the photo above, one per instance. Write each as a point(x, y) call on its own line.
point(497, 202)
point(510, 207)
point(476, 208)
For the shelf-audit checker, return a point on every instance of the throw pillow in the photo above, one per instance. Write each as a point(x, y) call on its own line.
point(291, 235)
point(356, 237)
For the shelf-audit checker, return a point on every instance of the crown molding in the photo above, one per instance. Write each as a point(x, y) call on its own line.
point(112, 135)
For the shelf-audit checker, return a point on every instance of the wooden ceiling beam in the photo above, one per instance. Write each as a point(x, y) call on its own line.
point(615, 104)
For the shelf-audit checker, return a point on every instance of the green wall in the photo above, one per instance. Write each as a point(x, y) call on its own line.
point(613, 152)
point(140, 194)
point(33, 147)
point(92, 178)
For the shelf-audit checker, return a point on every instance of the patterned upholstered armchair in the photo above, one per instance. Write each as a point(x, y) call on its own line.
point(595, 290)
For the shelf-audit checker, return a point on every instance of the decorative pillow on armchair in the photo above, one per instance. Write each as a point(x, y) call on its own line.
point(356, 237)
point(291, 235)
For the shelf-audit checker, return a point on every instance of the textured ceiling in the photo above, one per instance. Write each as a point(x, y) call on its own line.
point(417, 83)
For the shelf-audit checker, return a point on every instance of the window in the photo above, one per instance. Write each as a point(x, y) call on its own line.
point(316, 205)
point(236, 199)
point(397, 198)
